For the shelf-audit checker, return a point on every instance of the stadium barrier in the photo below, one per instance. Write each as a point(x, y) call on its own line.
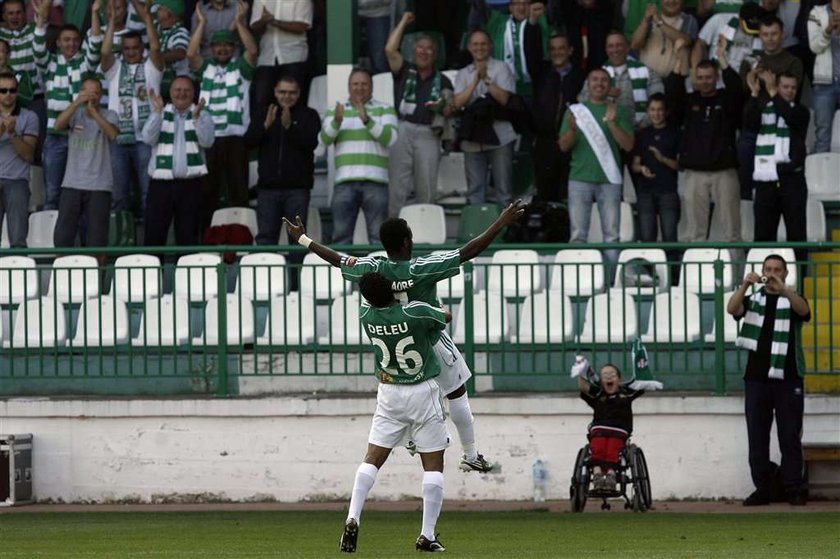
point(185, 321)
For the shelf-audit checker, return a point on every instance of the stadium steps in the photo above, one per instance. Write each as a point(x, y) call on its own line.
point(827, 263)
point(821, 340)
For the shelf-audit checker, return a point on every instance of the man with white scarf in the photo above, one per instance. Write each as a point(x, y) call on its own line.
point(779, 170)
point(771, 331)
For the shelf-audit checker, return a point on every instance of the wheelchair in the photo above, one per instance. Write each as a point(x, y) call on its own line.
point(631, 475)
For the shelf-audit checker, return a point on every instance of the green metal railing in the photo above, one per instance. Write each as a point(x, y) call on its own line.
point(90, 327)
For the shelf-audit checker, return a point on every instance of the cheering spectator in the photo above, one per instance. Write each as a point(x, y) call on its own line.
point(117, 12)
point(18, 136)
point(88, 181)
point(824, 39)
point(480, 89)
point(62, 73)
point(739, 31)
point(220, 15)
point(24, 85)
point(174, 39)
point(658, 33)
point(130, 77)
point(425, 97)
point(224, 84)
point(178, 132)
point(19, 37)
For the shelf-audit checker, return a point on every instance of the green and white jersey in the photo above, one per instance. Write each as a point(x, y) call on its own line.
point(412, 280)
point(22, 55)
point(225, 89)
point(403, 337)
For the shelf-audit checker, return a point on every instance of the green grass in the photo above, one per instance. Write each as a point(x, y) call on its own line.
point(484, 535)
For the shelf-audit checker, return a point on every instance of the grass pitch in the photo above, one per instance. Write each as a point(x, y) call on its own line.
point(482, 535)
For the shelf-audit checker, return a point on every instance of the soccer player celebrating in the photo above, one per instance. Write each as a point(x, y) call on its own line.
point(415, 279)
point(408, 402)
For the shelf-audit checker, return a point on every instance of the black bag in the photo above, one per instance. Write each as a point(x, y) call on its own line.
point(638, 272)
point(543, 222)
point(476, 123)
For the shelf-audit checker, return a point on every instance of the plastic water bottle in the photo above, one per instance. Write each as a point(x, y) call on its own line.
point(540, 474)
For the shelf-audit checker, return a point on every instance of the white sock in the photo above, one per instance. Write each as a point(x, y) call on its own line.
point(365, 478)
point(462, 417)
point(432, 502)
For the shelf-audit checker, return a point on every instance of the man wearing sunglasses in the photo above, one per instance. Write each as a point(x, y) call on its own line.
point(18, 136)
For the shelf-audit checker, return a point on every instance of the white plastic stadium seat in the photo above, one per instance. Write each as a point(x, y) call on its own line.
point(578, 272)
point(674, 318)
point(490, 320)
point(822, 173)
point(756, 256)
point(103, 322)
point(656, 257)
point(835, 132)
point(747, 222)
point(730, 326)
point(320, 280)
point(383, 87)
point(18, 279)
point(698, 273)
point(313, 227)
point(345, 327)
point(360, 233)
point(610, 317)
point(626, 232)
point(546, 318)
point(165, 322)
point(427, 222)
point(4, 234)
point(239, 314)
point(452, 178)
point(450, 288)
point(242, 216)
point(262, 276)
point(41, 227)
point(39, 323)
point(136, 277)
point(318, 95)
point(291, 321)
point(515, 273)
point(74, 278)
point(196, 276)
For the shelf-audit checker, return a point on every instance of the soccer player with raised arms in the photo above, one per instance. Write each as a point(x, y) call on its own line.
point(408, 401)
point(415, 279)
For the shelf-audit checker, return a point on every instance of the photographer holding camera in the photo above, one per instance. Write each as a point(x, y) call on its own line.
point(771, 331)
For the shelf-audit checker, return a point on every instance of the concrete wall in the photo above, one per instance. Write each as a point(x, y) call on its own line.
point(307, 448)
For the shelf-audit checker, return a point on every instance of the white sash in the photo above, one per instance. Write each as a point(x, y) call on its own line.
point(597, 141)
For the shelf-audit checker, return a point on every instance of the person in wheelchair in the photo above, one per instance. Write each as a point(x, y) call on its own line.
point(612, 421)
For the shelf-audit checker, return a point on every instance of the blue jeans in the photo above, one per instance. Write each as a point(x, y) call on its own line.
point(824, 99)
point(376, 33)
point(663, 205)
point(14, 204)
point(55, 160)
point(130, 165)
point(348, 197)
point(273, 206)
point(608, 197)
point(500, 161)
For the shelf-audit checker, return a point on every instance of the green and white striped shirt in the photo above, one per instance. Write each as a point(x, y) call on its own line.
point(176, 37)
point(22, 55)
point(63, 78)
point(361, 151)
point(225, 88)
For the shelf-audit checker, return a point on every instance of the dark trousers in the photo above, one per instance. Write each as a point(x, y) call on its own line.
point(265, 78)
point(94, 206)
point(786, 400)
point(787, 198)
point(551, 170)
point(662, 208)
point(178, 199)
point(272, 207)
point(227, 168)
point(745, 148)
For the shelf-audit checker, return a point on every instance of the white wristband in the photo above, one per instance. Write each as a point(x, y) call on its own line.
point(304, 241)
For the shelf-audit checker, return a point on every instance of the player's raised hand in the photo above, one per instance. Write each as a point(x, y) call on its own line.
point(295, 229)
point(513, 212)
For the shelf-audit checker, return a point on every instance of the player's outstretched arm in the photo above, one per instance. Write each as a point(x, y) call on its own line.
point(510, 215)
point(297, 233)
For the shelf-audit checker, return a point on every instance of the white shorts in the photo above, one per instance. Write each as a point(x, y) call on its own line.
point(453, 369)
point(409, 411)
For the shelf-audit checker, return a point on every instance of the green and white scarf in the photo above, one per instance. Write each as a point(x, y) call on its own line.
point(408, 104)
point(222, 87)
point(639, 76)
point(132, 86)
point(515, 49)
point(164, 165)
point(751, 330)
point(772, 145)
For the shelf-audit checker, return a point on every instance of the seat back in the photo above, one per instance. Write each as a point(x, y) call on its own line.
point(360, 233)
point(578, 272)
point(239, 318)
point(39, 323)
point(18, 279)
point(490, 320)
point(821, 174)
point(383, 87)
point(320, 280)
point(515, 273)
point(698, 269)
point(674, 318)
point(74, 278)
point(137, 277)
point(610, 318)
point(165, 322)
point(195, 276)
point(318, 95)
point(262, 276)
point(291, 321)
point(475, 219)
point(730, 325)
point(103, 322)
point(546, 318)
point(427, 222)
point(452, 177)
point(41, 227)
point(236, 215)
point(345, 326)
point(756, 256)
point(649, 273)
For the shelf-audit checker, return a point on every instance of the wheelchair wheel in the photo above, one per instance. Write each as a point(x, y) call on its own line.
point(580, 481)
point(641, 480)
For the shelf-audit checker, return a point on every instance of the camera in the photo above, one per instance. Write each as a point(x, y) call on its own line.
point(763, 279)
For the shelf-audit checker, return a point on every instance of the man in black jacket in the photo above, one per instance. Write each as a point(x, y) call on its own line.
point(287, 135)
point(779, 175)
point(556, 86)
point(707, 150)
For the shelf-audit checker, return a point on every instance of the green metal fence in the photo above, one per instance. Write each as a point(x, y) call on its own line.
point(186, 321)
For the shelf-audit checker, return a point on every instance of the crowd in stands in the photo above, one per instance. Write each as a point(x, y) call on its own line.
point(153, 107)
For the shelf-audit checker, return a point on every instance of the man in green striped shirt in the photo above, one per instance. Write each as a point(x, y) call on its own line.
point(362, 130)
point(174, 39)
point(225, 81)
